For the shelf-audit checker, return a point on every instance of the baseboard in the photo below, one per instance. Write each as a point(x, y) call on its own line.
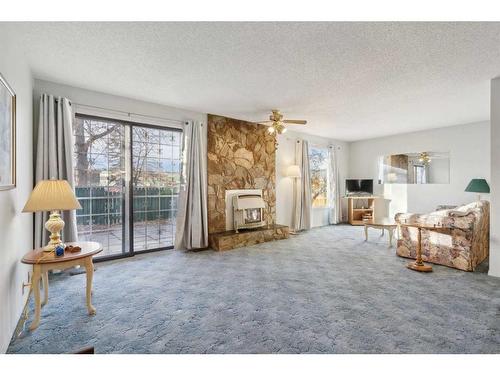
point(23, 318)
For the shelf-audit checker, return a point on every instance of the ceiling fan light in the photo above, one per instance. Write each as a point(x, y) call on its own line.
point(276, 123)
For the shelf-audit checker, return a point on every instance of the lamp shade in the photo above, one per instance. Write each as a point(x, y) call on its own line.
point(478, 185)
point(52, 195)
point(293, 171)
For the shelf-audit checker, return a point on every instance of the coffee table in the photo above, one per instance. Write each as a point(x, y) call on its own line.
point(43, 262)
point(384, 223)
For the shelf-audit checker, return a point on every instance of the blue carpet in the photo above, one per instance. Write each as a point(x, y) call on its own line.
point(324, 291)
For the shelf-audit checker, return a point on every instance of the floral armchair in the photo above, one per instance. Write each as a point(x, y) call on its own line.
point(464, 246)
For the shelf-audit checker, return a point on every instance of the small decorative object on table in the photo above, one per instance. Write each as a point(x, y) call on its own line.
point(59, 250)
point(73, 249)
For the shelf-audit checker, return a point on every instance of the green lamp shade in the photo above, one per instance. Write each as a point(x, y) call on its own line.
point(478, 185)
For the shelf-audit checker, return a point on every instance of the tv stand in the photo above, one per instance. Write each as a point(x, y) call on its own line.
point(361, 209)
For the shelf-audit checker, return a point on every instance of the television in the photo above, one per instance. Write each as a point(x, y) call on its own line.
point(358, 187)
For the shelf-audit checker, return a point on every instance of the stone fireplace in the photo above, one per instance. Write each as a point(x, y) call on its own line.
point(241, 158)
point(241, 155)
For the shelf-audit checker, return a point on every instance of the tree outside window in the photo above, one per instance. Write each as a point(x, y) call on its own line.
point(318, 164)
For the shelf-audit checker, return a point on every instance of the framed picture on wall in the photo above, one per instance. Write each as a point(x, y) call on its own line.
point(7, 136)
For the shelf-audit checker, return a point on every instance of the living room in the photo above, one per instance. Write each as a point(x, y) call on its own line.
point(188, 209)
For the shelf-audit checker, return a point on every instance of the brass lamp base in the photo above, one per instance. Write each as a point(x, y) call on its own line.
point(54, 225)
point(421, 267)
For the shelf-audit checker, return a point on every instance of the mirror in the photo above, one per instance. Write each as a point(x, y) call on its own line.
point(425, 167)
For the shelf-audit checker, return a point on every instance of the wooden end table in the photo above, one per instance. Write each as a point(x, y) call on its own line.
point(43, 262)
point(383, 224)
point(418, 264)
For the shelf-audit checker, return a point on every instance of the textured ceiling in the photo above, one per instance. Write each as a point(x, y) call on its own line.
point(351, 81)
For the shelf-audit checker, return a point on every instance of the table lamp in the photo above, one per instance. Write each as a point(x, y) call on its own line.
point(53, 196)
point(478, 185)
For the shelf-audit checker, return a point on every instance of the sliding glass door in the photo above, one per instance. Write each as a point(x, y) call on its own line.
point(127, 179)
point(99, 162)
point(156, 163)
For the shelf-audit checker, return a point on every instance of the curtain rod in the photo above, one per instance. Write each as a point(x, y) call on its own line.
point(314, 144)
point(129, 114)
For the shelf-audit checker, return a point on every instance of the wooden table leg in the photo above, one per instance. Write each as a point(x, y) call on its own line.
point(391, 235)
point(419, 265)
point(35, 284)
point(89, 268)
point(45, 279)
point(366, 232)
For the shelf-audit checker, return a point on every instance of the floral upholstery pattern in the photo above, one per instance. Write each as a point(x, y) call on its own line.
point(463, 246)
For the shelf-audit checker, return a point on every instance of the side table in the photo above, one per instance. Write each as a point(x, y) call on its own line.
point(43, 262)
point(419, 265)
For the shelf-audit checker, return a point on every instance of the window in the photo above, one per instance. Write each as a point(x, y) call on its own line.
point(127, 180)
point(419, 174)
point(318, 164)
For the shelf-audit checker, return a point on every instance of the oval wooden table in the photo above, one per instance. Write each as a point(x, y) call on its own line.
point(43, 262)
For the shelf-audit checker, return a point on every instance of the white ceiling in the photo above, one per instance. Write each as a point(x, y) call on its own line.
point(351, 81)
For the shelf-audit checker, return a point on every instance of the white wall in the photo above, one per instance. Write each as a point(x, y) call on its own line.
point(112, 102)
point(16, 228)
point(285, 156)
point(469, 149)
point(495, 179)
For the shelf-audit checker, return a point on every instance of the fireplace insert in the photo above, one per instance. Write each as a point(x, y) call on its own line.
point(247, 211)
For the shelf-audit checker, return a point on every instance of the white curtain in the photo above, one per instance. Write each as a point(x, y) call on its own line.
point(54, 158)
point(303, 197)
point(334, 210)
point(192, 221)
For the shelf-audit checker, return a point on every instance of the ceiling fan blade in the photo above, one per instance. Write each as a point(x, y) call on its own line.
point(298, 122)
point(264, 122)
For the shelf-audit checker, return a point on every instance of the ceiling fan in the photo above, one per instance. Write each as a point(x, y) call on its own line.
point(277, 124)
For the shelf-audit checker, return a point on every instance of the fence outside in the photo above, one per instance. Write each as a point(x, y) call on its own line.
point(102, 205)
